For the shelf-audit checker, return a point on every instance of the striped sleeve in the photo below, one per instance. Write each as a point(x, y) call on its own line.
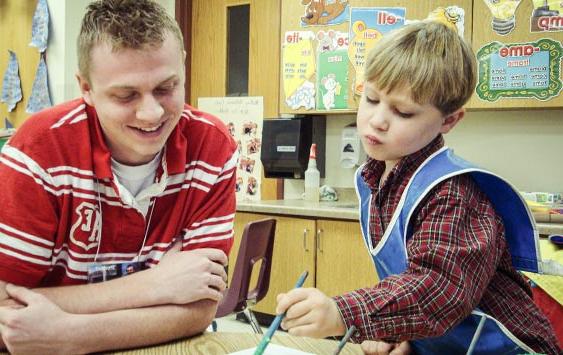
point(27, 219)
point(212, 225)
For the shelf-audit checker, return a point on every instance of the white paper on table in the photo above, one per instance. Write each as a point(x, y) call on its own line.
point(274, 349)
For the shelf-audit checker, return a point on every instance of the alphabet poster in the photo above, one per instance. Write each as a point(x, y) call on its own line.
point(244, 117)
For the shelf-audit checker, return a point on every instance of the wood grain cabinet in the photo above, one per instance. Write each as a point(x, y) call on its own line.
point(332, 251)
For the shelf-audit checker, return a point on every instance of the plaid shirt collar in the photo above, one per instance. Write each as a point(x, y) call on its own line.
point(373, 169)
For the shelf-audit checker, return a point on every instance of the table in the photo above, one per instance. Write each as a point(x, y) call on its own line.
point(223, 343)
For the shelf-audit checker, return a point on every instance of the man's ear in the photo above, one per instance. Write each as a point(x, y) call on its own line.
point(85, 89)
point(451, 120)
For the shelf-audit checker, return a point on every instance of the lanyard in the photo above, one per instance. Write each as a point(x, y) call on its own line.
point(138, 257)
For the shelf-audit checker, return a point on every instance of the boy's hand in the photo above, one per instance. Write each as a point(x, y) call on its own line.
point(371, 347)
point(310, 313)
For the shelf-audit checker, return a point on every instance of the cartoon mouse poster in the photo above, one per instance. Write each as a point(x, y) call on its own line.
point(332, 70)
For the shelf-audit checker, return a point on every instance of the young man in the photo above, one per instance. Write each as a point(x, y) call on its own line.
point(445, 236)
point(125, 178)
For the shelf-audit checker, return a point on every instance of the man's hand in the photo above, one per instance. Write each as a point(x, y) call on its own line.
point(371, 347)
point(35, 327)
point(189, 276)
point(310, 313)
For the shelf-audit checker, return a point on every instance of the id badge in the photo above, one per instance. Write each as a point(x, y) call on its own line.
point(105, 272)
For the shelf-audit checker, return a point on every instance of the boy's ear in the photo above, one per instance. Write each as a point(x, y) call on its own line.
point(451, 120)
point(85, 89)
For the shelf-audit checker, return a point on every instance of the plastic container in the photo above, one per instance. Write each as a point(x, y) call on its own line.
point(312, 177)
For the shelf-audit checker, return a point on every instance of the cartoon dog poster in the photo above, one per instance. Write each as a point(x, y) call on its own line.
point(324, 12)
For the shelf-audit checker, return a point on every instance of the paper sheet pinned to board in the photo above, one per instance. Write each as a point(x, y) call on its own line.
point(11, 85)
point(39, 98)
point(244, 118)
point(40, 26)
point(8, 124)
point(273, 349)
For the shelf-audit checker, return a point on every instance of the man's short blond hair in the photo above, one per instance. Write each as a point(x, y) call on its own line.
point(134, 24)
point(428, 57)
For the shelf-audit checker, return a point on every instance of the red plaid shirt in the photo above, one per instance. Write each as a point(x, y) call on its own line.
point(457, 260)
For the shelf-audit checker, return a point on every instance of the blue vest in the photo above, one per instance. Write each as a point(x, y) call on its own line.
point(479, 333)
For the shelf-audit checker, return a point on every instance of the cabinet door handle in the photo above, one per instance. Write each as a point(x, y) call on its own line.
point(305, 239)
point(319, 246)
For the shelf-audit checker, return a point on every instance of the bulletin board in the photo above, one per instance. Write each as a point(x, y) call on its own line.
point(525, 68)
point(15, 30)
point(292, 12)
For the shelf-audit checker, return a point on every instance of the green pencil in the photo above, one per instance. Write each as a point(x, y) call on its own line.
point(277, 321)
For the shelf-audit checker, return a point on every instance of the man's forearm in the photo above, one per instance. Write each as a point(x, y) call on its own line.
point(138, 327)
point(132, 291)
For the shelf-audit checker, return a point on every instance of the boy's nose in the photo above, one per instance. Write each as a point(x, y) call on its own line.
point(150, 109)
point(378, 120)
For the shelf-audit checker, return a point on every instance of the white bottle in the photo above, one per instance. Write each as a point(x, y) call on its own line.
point(312, 176)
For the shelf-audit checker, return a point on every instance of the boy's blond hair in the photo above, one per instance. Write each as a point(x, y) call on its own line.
point(428, 57)
point(134, 24)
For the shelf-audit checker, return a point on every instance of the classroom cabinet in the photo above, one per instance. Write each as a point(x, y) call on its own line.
point(332, 251)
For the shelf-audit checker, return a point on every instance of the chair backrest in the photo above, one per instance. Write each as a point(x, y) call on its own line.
point(257, 244)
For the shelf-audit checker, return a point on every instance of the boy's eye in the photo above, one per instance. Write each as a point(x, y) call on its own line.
point(404, 114)
point(372, 101)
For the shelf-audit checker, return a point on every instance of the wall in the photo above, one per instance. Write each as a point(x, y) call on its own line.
point(65, 18)
point(15, 33)
point(522, 146)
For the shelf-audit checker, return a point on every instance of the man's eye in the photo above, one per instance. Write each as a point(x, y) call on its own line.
point(125, 98)
point(165, 89)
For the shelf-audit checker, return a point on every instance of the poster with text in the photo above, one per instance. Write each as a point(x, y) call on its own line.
point(332, 70)
point(547, 16)
point(298, 66)
point(520, 70)
point(367, 26)
point(244, 117)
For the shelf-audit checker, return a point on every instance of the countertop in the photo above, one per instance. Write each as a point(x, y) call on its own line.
point(345, 210)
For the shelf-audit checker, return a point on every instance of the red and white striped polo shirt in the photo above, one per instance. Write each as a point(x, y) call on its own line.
point(57, 167)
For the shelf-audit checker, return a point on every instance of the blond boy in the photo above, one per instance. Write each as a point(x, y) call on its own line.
point(446, 257)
